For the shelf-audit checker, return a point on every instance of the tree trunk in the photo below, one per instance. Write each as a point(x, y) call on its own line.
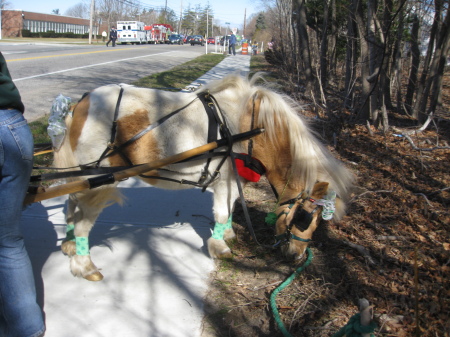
point(423, 89)
point(364, 111)
point(438, 65)
point(373, 59)
point(388, 58)
point(304, 45)
point(350, 59)
point(397, 62)
point(332, 39)
point(415, 62)
point(324, 47)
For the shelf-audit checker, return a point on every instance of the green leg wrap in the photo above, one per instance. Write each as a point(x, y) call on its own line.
point(70, 232)
point(82, 245)
point(219, 229)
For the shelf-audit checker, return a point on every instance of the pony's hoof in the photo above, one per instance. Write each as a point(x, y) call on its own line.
point(69, 248)
point(95, 277)
point(218, 249)
point(225, 255)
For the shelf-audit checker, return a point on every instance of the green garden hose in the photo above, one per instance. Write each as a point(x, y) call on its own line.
point(283, 285)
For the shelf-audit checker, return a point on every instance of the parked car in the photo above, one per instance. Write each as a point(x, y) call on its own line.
point(224, 39)
point(211, 40)
point(187, 38)
point(175, 39)
point(197, 39)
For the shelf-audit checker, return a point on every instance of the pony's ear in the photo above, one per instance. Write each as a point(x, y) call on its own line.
point(320, 190)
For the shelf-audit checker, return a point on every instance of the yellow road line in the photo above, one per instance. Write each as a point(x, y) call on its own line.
point(43, 57)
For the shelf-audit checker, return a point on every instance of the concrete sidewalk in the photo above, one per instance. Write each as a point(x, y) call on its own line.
point(151, 251)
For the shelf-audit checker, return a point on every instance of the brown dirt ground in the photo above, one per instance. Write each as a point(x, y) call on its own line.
point(399, 214)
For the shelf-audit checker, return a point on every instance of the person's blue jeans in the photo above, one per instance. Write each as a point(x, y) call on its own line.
point(232, 49)
point(20, 315)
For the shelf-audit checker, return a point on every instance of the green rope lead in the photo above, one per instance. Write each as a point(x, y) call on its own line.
point(283, 285)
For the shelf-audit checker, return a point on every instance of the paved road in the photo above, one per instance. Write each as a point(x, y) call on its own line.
point(43, 71)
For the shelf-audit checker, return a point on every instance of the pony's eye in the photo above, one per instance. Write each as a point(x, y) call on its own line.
point(302, 219)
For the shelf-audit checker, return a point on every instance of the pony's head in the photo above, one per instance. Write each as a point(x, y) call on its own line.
point(298, 218)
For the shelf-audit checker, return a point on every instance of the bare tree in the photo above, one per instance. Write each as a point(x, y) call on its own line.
point(80, 10)
point(438, 64)
point(300, 8)
point(364, 111)
point(4, 4)
point(425, 80)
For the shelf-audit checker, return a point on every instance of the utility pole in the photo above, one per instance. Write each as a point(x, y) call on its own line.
point(206, 37)
point(181, 16)
point(165, 12)
point(90, 21)
point(245, 17)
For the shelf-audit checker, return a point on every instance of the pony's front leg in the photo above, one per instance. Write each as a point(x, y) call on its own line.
point(217, 246)
point(223, 229)
point(76, 244)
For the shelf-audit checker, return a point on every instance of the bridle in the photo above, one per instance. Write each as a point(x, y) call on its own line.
point(305, 218)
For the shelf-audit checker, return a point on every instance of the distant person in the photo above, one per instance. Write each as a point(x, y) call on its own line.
point(255, 48)
point(104, 35)
point(20, 315)
point(232, 45)
point(112, 36)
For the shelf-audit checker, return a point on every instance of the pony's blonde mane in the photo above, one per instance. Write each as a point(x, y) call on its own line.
point(311, 162)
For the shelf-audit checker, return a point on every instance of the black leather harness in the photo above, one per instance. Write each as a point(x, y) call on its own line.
point(216, 125)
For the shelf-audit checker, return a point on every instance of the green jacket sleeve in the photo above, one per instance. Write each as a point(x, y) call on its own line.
point(9, 94)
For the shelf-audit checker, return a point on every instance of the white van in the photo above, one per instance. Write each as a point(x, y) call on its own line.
point(131, 32)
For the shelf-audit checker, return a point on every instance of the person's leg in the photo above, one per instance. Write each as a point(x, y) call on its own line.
point(113, 42)
point(107, 43)
point(19, 311)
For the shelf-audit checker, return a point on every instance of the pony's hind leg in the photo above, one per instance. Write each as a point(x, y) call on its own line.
point(68, 245)
point(88, 207)
point(81, 264)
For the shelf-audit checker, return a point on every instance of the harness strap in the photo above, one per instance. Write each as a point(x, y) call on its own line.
point(214, 122)
point(113, 128)
point(113, 149)
point(213, 127)
point(288, 235)
point(116, 114)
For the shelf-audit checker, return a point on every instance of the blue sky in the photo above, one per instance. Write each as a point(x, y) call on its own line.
point(231, 11)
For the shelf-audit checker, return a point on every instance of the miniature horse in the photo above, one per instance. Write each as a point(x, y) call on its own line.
point(300, 169)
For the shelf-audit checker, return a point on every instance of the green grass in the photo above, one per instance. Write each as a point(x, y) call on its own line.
point(40, 135)
point(39, 130)
point(182, 75)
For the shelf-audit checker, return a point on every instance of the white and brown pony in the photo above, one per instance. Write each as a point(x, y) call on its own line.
point(297, 166)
